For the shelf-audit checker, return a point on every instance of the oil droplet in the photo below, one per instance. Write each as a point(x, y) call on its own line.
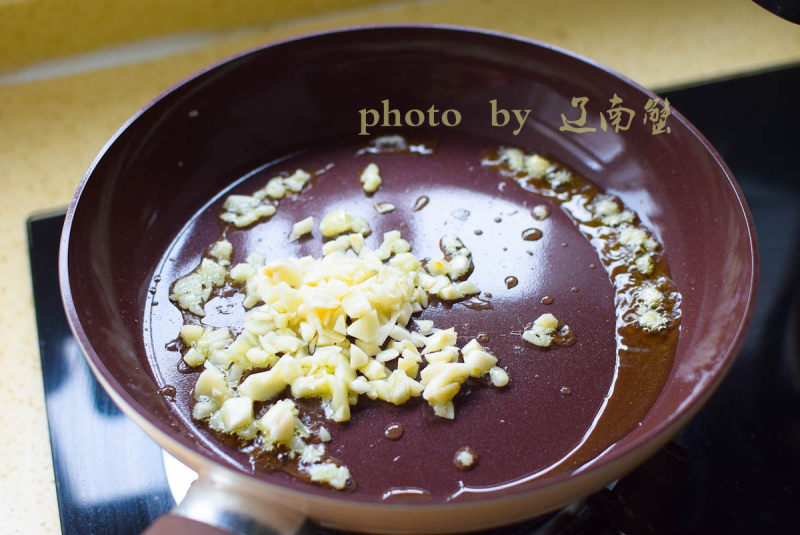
point(511, 281)
point(465, 458)
point(488, 295)
point(478, 232)
point(393, 431)
point(155, 303)
point(152, 290)
point(501, 186)
point(498, 220)
point(547, 300)
point(421, 203)
point(573, 289)
point(505, 248)
point(405, 492)
point(531, 234)
point(482, 338)
point(567, 391)
point(157, 278)
point(564, 337)
point(563, 244)
point(592, 266)
point(169, 391)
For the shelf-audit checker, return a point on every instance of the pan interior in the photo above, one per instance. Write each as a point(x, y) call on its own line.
point(555, 395)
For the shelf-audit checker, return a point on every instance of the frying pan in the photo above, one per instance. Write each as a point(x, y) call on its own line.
point(148, 205)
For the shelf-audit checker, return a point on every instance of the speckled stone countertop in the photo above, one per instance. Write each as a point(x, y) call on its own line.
point(56, 113)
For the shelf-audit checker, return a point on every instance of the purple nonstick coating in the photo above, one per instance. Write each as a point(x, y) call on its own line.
point(295, 104)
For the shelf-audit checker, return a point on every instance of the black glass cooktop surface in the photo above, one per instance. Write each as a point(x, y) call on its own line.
point(734, 469)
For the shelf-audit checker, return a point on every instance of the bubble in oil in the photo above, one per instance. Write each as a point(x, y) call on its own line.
point(393, 431)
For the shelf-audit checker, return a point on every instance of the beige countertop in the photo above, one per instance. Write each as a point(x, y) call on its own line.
point(57, 112)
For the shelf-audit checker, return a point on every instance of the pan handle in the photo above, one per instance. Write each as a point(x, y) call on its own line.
point(173, 524)
point(213, 508)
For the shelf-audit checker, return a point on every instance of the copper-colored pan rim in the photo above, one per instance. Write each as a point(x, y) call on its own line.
point(660, 432)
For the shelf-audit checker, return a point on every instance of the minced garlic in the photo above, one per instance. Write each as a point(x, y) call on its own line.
point(443, 275)
point(542, 331)
point(327, 328)
point(558, 178)
point(651, 320)
point(498, 376)
point(371, 178)
point(644, 264)
point(606, 207)
point(244, 210)
point(424, 326)
point(650, 296)
point(645, 298)
point(636, 239)
point(384, 207)
point(540, 212)
point(536, 166)
point(330, 473)
point(624, 239)
point(649, 301)
point(515, 158)
point(301, 228)
point(203, 342)
point(222, 251)
point(339, 221)
point(192, 291)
